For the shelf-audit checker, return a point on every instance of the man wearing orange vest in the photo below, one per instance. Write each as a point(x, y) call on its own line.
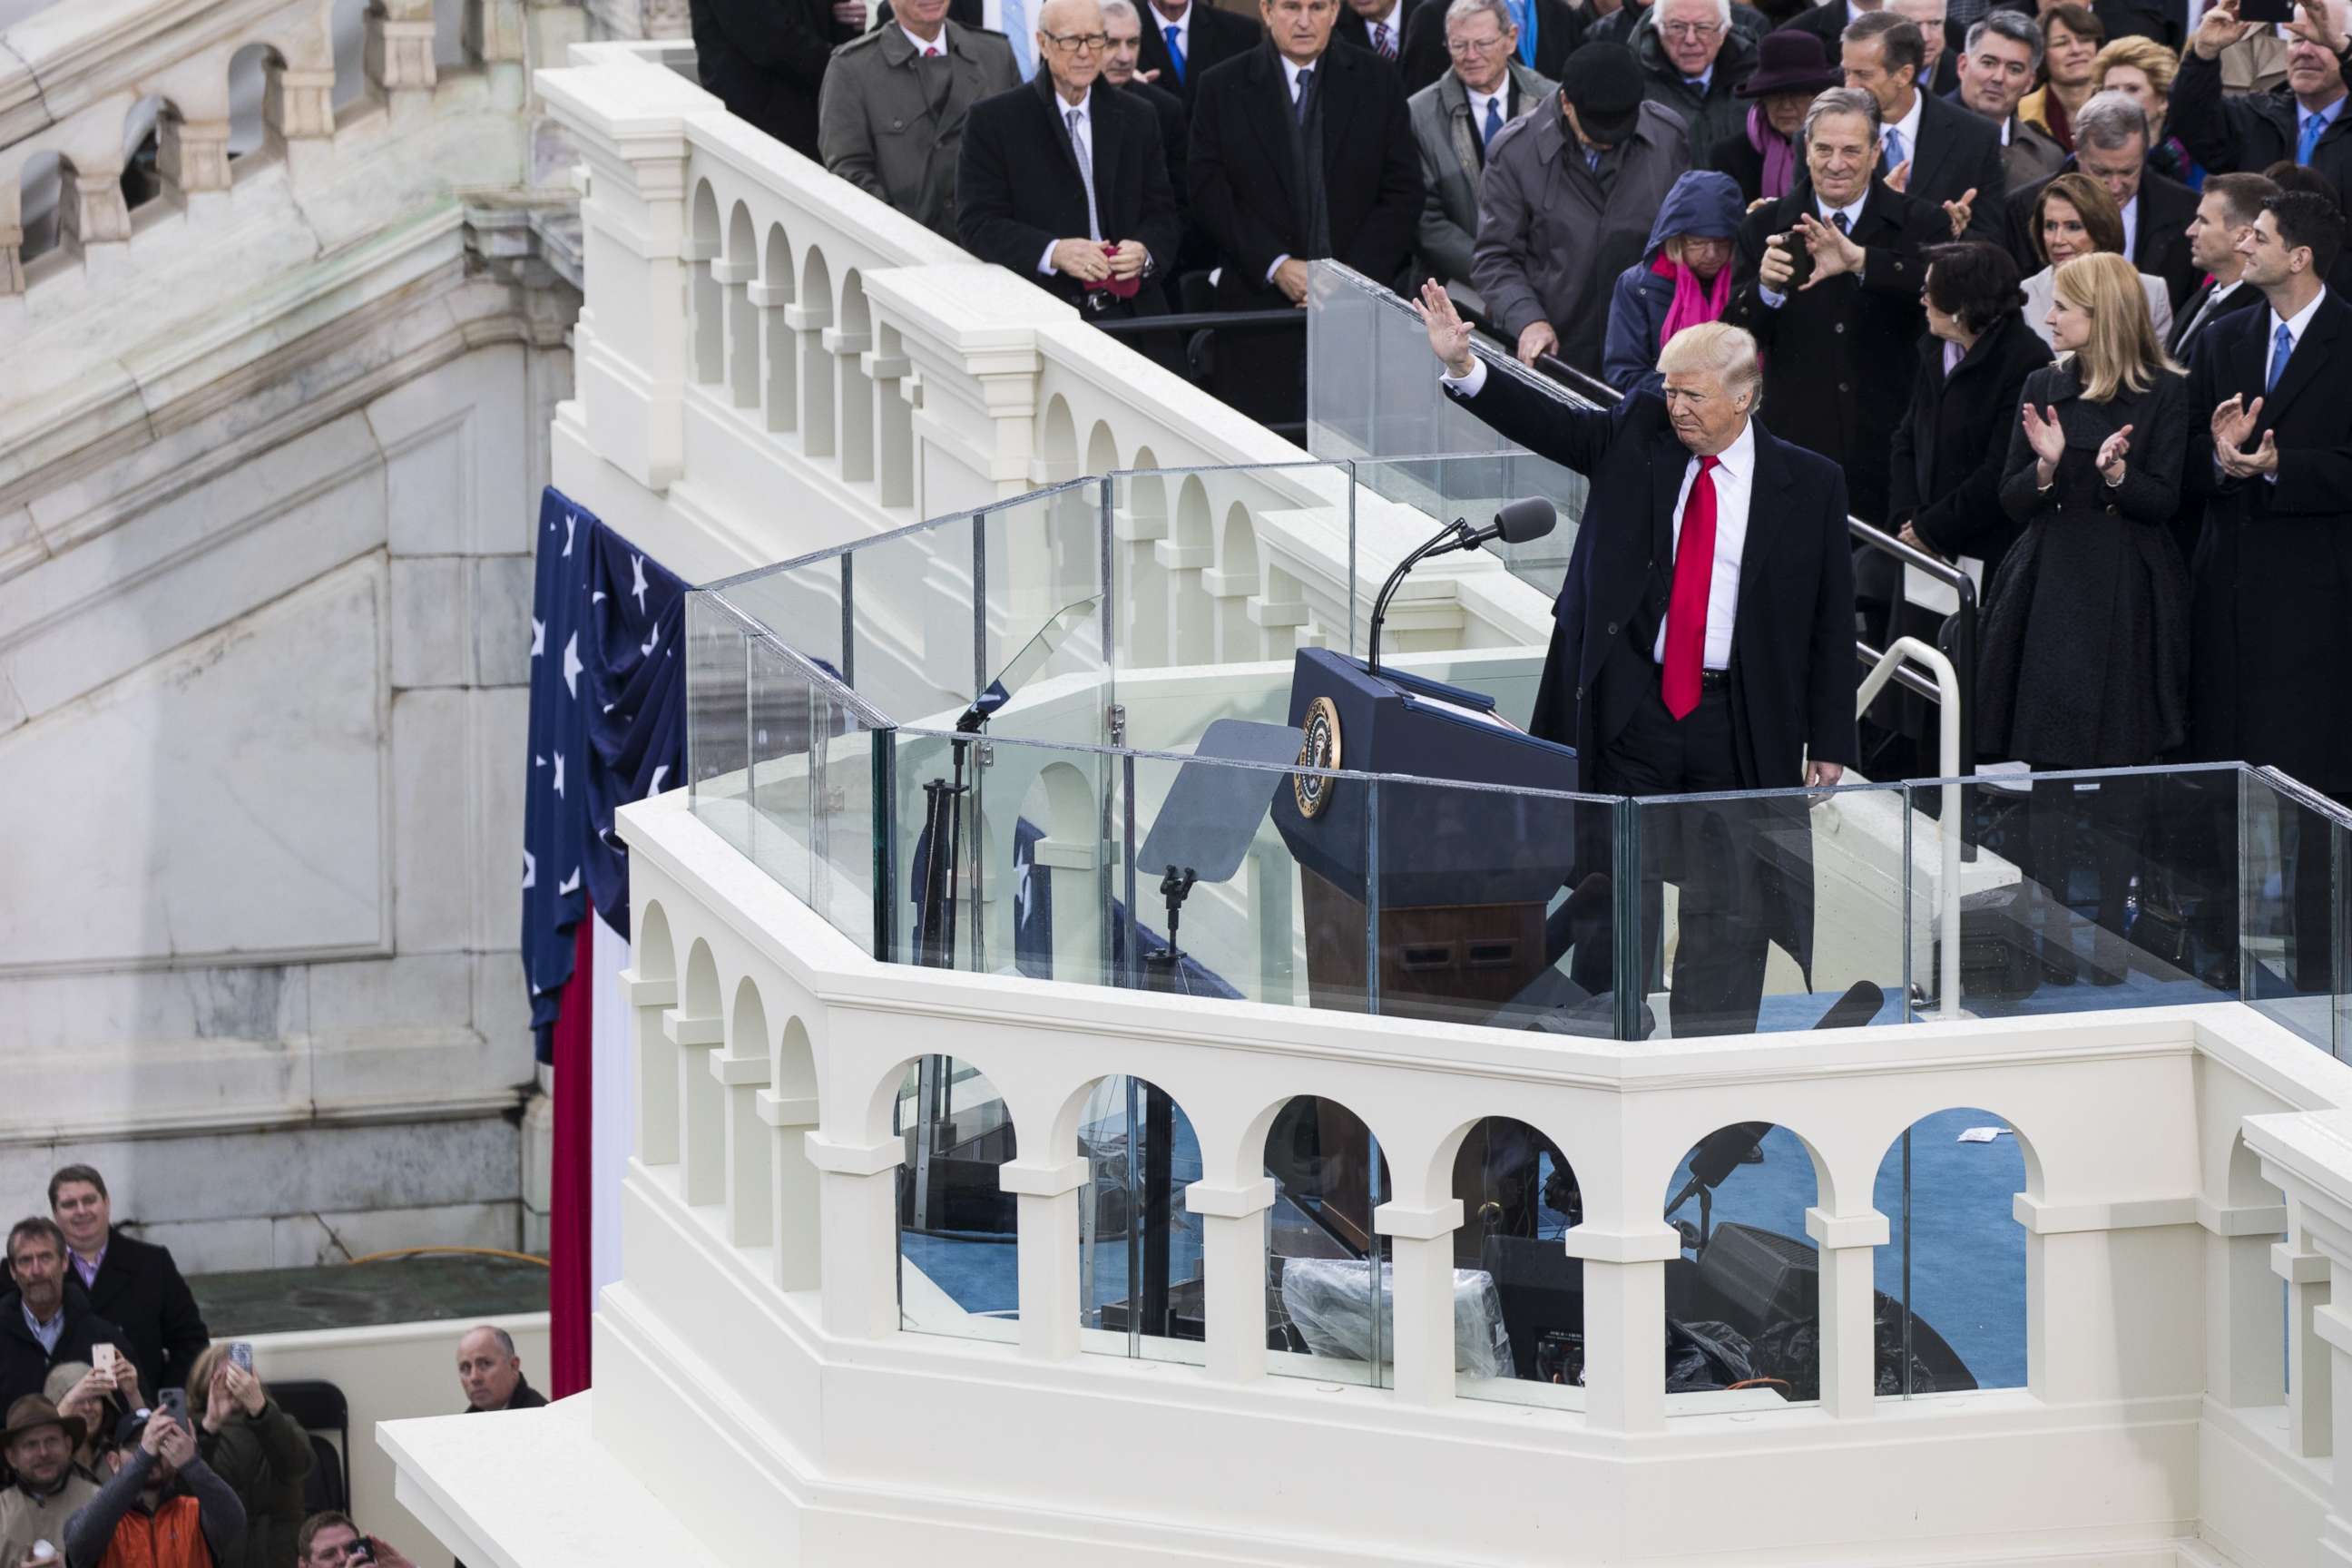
point(165, 1506)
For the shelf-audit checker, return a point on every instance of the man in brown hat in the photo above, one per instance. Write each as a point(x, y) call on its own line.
point(39, 1446)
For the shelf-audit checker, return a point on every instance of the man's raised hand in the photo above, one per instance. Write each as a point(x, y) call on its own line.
point(1449, 334)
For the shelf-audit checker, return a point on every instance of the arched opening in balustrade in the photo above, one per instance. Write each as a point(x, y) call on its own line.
point(958, 1229)
point(349, 25)
point(1191, 617)
point(1951, 1277)
point(1518, 1297)
point(654, 958)
point(705, 308)
point(1057, 441)
point(142, 137)
point(1239, 638)
point(1139, 520)
point(798, 1191)
point(1055, 925)
point(1102, 449)
point(857, 387)
point(742, 319)
point(254, 74)
point(702, 1136)
point(816, 360)
point(781, 402)
point(1743, 1301)
point(1140, 1264)
point(750, 1166)
point(1331, 1308)
point(40, 189)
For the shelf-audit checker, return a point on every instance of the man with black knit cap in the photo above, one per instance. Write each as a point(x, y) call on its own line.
point(1566, 205)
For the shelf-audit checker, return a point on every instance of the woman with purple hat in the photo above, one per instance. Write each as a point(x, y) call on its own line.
point(1791, 70)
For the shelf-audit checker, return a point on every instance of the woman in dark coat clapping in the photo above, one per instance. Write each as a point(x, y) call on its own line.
point(2087, 645)
point(1944, 491)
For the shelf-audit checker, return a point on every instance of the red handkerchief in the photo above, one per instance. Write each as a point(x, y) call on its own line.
point(1118, 287)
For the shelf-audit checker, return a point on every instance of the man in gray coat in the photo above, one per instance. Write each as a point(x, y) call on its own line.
point(1693, 62)
point(1455, 118)
point(1566, 205)
point(891, 118)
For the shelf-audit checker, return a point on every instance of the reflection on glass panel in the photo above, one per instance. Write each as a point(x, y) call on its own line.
point(1039, 865)
point(2086, 892)
point(1324, 1319)
point(1771, 912)
point(1490, 899)
point(718, 751)
point(1473, 488)
point(2293, 890)
point(1213, 904)
point(936, 894)
point(1518, 1198)
point(958, 1266)
point(1743, 1304)
point(1198, 573)
point(1041, 620)
point(782, 723)
point(848, 760)
point(1140, 1266)
point(912, 636)
point(1951, 1279)
point(799, 602)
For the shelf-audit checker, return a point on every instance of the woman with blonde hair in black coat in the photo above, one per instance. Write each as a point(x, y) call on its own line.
point(2086, 658)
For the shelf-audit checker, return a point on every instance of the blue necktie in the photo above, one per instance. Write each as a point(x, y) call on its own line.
point(1175, 49)
point(1306, 91)
point(2282, 345)
point(1493, 121)
point(2314, 127)
point(1894, 148)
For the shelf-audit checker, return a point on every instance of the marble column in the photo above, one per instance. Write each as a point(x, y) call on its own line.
point(741, 1072)
point(701, 1133)
point(1048, 1253)
point(2310, 1418)
point(796, 1190)
point(1423, 1350)
point(1848, 1307)
point(1626, 1325)
point(647, 1001)
point(860, 1225)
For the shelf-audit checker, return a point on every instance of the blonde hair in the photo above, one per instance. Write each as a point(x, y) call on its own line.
point(2145, 56)
point(200, 1376)
point(1727, 350)
point(2123, 353)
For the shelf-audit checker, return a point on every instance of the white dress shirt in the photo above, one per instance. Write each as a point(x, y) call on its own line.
point(1908, 127)
point(1160, 23)
point(1500, 97)
point(2131, 227)
point(1082, 145)
point(1735, 482)
point(925, 46)
point(2295, 325)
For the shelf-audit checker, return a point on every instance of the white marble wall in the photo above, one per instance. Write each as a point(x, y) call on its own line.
point(263, 683)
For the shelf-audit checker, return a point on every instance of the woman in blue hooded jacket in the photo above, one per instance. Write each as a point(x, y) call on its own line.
point(1683, 279)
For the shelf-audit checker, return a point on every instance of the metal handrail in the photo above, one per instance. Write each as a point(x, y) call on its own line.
point(1951, 831)
point(1962, 651)
point(1200, 321)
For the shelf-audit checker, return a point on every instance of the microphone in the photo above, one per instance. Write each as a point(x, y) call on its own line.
point(1531, 517)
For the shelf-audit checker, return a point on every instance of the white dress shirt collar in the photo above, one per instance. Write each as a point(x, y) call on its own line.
point(1852, 210)
point(924, 46)
point(1290, 69)
point(1909, 125)
point(2296, 323)
point(1733, 478)
point(1160, 23)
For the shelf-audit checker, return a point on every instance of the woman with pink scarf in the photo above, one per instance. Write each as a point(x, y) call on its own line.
point(1683, 279)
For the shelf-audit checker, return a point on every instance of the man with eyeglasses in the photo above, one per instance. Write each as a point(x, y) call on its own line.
point(1693, 62)
point(1455, 119)
point(1068, 185)
point(1299, 152)
point(892, 117)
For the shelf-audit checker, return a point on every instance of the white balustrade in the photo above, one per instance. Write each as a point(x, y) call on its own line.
point(826, 369)
point(77, 80)
point(2152, 1312)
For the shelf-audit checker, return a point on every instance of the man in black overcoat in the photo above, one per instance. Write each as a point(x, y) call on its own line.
point(1299, 151)
point(1702, 641)
point(132, 1282)
point(1206, 35)
point(766, 59)
point(1101, 236)
point(2271, 643)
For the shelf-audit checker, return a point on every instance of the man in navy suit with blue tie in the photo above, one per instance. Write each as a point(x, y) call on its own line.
point(1703, 640)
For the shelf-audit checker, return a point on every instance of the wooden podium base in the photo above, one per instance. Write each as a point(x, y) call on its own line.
point(1452, 962)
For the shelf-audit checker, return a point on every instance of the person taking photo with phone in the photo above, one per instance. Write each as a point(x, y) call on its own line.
point(329, 1539)
point(47, 1319)
point(259, 1450)
point(162, 1506)
point(2301, 119)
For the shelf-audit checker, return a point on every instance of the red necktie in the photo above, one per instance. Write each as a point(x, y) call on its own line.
point(932, 53)
point(1686, 610)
